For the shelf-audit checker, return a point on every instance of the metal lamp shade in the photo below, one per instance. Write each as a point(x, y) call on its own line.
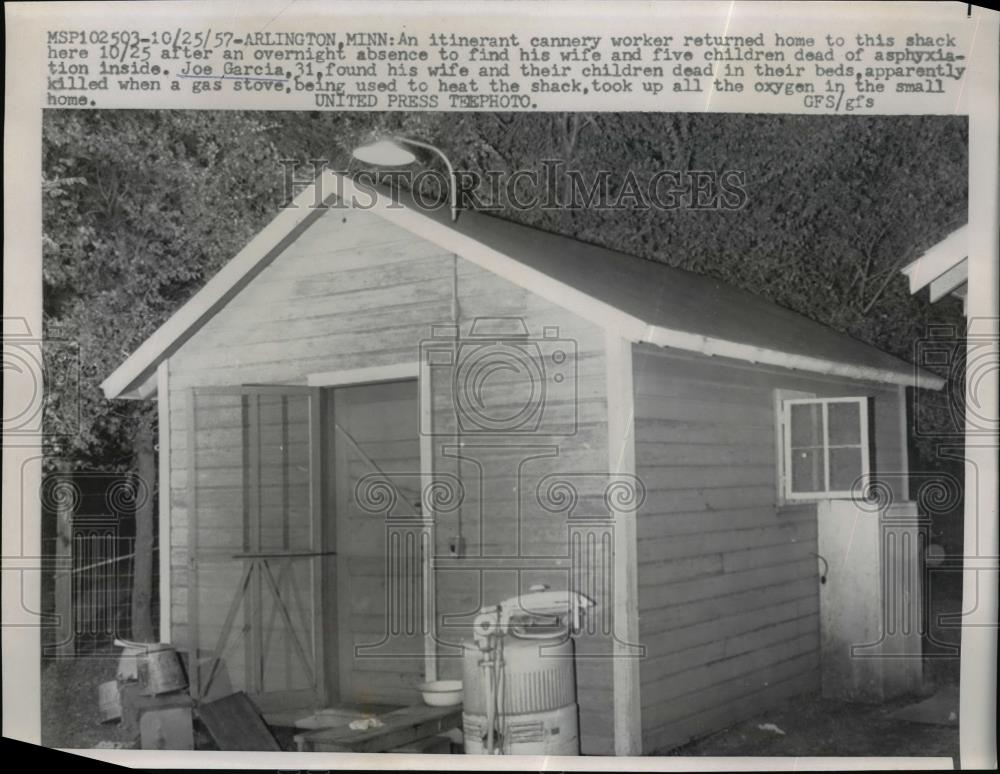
point(384, 153)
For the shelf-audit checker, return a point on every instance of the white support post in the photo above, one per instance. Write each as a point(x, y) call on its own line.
point(424, 397)
point(904, 449)
point(163, 500)
point(977, 732)
point(621, 460)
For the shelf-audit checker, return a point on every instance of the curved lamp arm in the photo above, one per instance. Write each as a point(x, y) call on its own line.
point(451, 170)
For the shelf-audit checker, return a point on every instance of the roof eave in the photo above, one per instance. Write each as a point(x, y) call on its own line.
point(147, 390)
point(126, 381)
point(913, 377)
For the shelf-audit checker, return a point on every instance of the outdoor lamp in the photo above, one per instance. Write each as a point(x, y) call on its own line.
point(390, 153)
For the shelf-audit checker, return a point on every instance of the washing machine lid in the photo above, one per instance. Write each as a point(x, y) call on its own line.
point(534, 627)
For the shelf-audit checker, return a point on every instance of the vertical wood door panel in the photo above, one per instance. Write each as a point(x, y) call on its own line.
point(376, 474)
point(254, 535)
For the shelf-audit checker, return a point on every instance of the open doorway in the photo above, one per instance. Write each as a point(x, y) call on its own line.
point(373, 592)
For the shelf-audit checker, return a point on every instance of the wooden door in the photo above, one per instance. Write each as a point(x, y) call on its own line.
point(376, 488)
point(255, 542)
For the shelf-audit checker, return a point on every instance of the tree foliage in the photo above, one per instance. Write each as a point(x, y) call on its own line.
point(139, 210)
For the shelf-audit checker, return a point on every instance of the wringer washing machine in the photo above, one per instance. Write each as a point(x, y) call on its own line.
point(520, 678)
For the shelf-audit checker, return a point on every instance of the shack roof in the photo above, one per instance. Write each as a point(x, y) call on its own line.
point(638, 299)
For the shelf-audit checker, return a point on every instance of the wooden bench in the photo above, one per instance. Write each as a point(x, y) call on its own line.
point(401, 727)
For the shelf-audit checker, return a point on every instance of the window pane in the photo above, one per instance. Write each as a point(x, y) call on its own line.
point(845, 468)
point(807, 470)
point(845, 424)
point(807, 424)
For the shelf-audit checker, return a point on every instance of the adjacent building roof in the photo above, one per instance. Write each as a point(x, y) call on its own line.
point(945, 268)
point(638, 299)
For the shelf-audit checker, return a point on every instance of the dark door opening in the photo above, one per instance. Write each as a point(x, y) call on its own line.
point(373, 610)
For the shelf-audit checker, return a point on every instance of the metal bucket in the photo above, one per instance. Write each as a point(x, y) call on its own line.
point(128, 663)
point(160, 671)
point(109, 701)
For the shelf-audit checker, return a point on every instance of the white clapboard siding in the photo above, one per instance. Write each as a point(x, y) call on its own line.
point(728, 594)
point(354, 292)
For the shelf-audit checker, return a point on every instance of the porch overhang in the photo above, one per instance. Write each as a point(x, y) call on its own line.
point(944, 269)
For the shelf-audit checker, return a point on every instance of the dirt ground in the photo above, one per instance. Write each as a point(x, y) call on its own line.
point(812, 726)
point(70, 710)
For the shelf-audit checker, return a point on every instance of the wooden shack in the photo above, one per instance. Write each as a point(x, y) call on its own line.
point(376, 422)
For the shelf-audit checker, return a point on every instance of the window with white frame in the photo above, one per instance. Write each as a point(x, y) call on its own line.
point(824, 450)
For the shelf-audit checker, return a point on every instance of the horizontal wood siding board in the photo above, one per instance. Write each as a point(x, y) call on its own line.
point(710, 499)
point(707, 411)
point(672, 477)
point(720, 586)
point(662, 524)
point(705, 688)
point(659, 549)
point(666, 619)
point(666, 434)
point(323, 323)
point(729, 624)
point(662, 574)
point(669, 673)
point(702, 388)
